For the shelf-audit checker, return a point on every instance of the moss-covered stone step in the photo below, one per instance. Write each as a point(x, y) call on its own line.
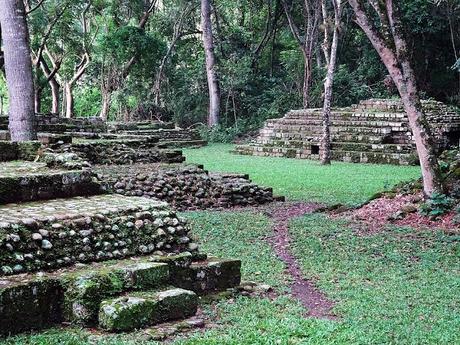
point(56, 233)
point(84, 291)
point(212, 274)
point(144, 309)
point(29, 304)
point(22, 181)
point(10, 151)
point(74, 294)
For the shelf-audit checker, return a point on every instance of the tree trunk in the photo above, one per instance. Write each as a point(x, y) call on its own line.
point(106, 99)
point(328, 86)
point(37, 100)
point(55, 90)
point(213, 82)
point(307, 77)
point(18, 70)
point(400, 70)
point(69, 101)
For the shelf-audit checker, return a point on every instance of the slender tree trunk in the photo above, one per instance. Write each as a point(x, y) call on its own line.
point(328, 87)
point(55, 90)
point(37, 100)
point(397, 63)
point(106, 100)
point(18, 69)
point(69, 100)
point(213, 82)
point(307, 78)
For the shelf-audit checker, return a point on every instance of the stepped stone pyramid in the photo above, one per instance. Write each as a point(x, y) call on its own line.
point(373, 131)
point(71, 253)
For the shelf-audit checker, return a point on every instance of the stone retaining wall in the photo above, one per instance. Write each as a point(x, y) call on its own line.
point(52, 234)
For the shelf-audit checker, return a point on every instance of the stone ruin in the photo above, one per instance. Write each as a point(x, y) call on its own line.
point(86, 234)
point(373, 131)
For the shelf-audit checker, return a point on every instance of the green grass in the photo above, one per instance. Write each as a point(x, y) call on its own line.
point(399, 286)
point(345, 183)
point(395, 287)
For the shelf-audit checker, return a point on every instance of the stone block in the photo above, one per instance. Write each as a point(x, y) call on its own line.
point(29, 305)
point(148, 308)
point(210, 275)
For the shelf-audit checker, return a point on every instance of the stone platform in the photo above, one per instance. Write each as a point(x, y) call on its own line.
point(28, 181)
point(374, 131)
point(117, 296)
point(185, 187)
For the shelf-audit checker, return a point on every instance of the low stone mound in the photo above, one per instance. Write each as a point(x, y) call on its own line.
point(117, 296)
point(185, 187)
point(373, 131)
point(51, 234)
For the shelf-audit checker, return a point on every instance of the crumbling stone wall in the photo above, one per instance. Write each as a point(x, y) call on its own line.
point(120, 152)
point(10, 151)
point(185, 187)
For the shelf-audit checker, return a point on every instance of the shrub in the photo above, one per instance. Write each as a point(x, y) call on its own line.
point(438, 205)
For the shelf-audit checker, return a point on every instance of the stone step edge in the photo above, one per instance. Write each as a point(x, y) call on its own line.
point(46, 297)
point(139, 310)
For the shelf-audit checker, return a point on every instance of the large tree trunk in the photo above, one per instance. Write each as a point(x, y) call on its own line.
point(69, 101)
point(18, 70)
point(328, 86)
point(213, 82)
point(395, 57)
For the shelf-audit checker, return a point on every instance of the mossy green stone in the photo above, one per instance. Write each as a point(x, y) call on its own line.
point(146, 308)
point(30, 305)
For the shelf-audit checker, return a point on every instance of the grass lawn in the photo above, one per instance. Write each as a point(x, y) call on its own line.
point(398, 286)
point(345, 183)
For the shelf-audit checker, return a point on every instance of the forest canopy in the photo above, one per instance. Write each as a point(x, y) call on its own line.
point(141, 59)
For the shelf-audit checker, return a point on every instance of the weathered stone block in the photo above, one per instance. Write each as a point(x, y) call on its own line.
point(210, 275)
point(84, 292)
point(97, 228)
point(137, 311)
point(29, 305)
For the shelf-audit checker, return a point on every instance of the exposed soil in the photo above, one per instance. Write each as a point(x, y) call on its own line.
point(316, 303)
point(378, 213)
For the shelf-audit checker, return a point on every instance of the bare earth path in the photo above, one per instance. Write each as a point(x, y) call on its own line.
point(317, 304)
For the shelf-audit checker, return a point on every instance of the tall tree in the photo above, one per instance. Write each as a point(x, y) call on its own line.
point(306, 38)
point(18, 70)
point(389, 42)
point(211, 72)
point(330, 53)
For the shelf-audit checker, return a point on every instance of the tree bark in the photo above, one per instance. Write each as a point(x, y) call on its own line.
point(395, 57)
point(106, 99)
point(69, 100)
point(329, 82)
point(213, 82)
point(18, 70)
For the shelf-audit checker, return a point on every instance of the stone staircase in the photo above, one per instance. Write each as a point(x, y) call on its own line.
point(374, 131)
point(116, 296)
point(69, 253)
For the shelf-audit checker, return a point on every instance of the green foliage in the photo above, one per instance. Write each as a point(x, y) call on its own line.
point(436, 206)
point(127, 42)
point(3, 95)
